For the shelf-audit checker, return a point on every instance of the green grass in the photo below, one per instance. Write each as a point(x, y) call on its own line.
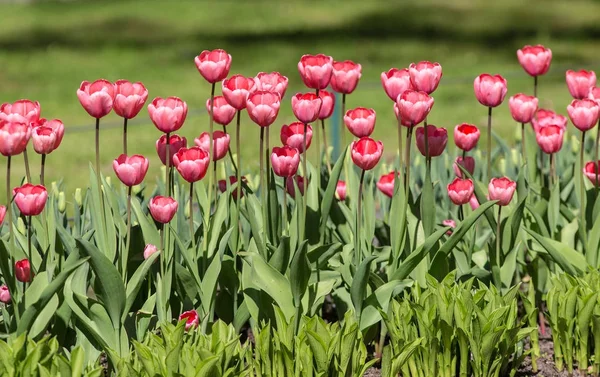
point(47, 49)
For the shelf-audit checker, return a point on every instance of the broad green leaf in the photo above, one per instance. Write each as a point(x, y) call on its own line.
point(358, 290)
point(329, 195)
point(299, 273)
point(427, 207)
point(568, 259)
point(413, 260)
point(135, 283)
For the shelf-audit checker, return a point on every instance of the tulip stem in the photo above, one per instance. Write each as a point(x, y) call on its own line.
point(596, 167)
point(192, 233)
point(124, 135)
point(305, 172)
point(325, 146)
point(319, 159)
point(162, 250)
point(168, 165)
point(29, 248)
point(582, 186)
point(98, 175)
point(357, 239)
point(409, 133)
point(496, 274)
point(27, 171)
point(401, 170)
point(125, 253)
point(263, 188)
point(535, 86)
point(285, 216)
point(239, 178)
point(552, 169)
point(489, 144)
point(9, 211)
point(230, 153)
point(270, 232)
point(426, 135)
point(342, 127)
point(523, 142)
point(212, 147)
point(42, 169)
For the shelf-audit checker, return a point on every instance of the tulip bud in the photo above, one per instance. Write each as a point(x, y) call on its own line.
point(514, 156)
point(517, 135)
point(149, 250)
point(54, 188)
point(78, 197)
point(62, 202)
point(108, 181)
point(21, 226)
point(502, 165)
point(23, 270)
point(4, 294)
point(186, 212)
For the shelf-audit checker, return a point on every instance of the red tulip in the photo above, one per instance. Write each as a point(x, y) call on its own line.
point(595, 94)
point(468, 163)
point(550, 138)
point(490, 90)
point(580, 83)
point(223, 111)
point(545, 117)
point(522, 107)
point(168, 114)
point(30, 199)
point(328, 104)
point(583, 113)
point(191, 319)
point(502, 190)
point(149, 250)
point(345, 76)
point(425, 76)
point(437, 138)
point(340, 190)
point(306, 107)
point(535, 60)
point(366, 152)
point(232, 181)
point(176, 142)
point(13, 137)
point(220, 144)
point(2, 213)
point(236, 90)
point(131, 170)
point(163, 209)
point(385, 184)
point(57, 127)
point(300, 182)
point(285, 161)
point(460, 191)
point(213, 65)
point(22, 111)
point(316, 70)
point(592, 170)
point(466, 136)
point(360, 121)
point(97, 97)
point(293, 136)
point(395, 82)
point(4, 295)
point(271, 82)
point(192, 163)
point(129, 98)
point(23, 271)
point(413, 107)
point(263, 107)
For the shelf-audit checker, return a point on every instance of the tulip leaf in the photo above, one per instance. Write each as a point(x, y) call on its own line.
point(570, 260)
point(329, 195)
point(135, 282)
point(299, 273)
point(427, 206)
point(380, 300)
point(413, 260)
point(358, 289)
point(151, 235)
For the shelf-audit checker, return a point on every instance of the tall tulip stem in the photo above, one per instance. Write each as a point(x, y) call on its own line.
point(535, 86)
point(409, 133)
point(553, 179)
point(305, 172)
point(263, 188)
point(125, 253)
point(168, 164)
point(124, 135)
point(342, 126)
point(9, 207)
point(582, 184)
point(238, 175)
point(29, 248)
point(596, 167)
point(496, 274)
point(162, 250)
point(357, 237)
point(400, 157)
point(230, 153)
point(285, 215)
point(42, 169)
point(27, 171)
point(489, 144)
point(427, 157)
point(325, 146)
point(192, 233)
point(523, 142)
point(319, 159)
point(211, 144)
point(98, 176)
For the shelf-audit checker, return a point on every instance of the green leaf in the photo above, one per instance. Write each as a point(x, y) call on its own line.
point(568, 259)
point(329, 195)
point(413, 260)
point(427, 207)
point(380, 300)
point(299, 273)
point(459, 232)
point(358, 290)
point(135, 283)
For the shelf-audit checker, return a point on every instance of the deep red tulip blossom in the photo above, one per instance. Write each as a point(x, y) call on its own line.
point(468, 163)
point(460, 191)
point(23, 271)
point(176, 142)
point(232, 181)
point(437, 138)
point(300, 182)
point(191, 319)
point(385, 184)
point(192, 163)
point(592, 170)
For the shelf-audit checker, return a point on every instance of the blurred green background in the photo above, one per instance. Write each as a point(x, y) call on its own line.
point(48, 48)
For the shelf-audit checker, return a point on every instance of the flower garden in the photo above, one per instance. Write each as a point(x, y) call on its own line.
point(404, 257)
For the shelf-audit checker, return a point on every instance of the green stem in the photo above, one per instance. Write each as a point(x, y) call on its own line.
point(357, 240)
point(211, 146)
point(239, 184)
point(342, 125)
point(319, 159)
point(168, 165)
point(10, 220)
point(263, 188)
point(596, 167)
point(523, 143)
point(124, 135)
point(553, 169)
point(125, 254)
point(400, 157)
point(285, 215)
point(29, 248)
point(27, 171)
point(496, 275)
point(192, 233)
point(230, 153)
point(98, 176)
point(489, 144)
point(325, 146)
point(305, 172)
point(535, 86)
point(42, 169)
point(163, 258)
point(582, 184)
point(409, 133)
point(426, 135)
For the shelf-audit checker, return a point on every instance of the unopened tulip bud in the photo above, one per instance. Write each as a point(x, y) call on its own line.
point(517, 135)
point(514, 156)
point(186, 212)
point(108, 181)
point(54, 187)
point(502, 165)
point(78, 197)
point(62, 202)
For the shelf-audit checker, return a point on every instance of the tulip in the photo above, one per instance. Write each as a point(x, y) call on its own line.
point(192, 163)
point(449, 223)
point(263, 107)
point(595, 94)
point(223, 112)
point(535, 60)
point(163, 209)
point(345, 76)
point(385, 184)
point(502, 190)
point(131, 170)
point(580, 83)
point(340, 190)
point(328, 104)
point(425, 76)
point(395, 82)
point(44, 139)
point(168, 114)
point(466, 136)
point(550, 138)
point(57, 127)
point(460, 191)
point(583, 113)
point(23, 271)
point(22, 111)
point(271, 82)
point(293, 135)
point(316, 70)
point(366, 152)
point(236, 90)
point(360, 121)
point(522, 107)
point(413, 107)
point(13, 137)
point(191, 319)
point(2, 214)
point(545, 118)
point(30, 199)
point(176, 142)
point(213, 65)
point(129, 98)
point(466, 162)
point(285, 161)
point(473, 202)
point(306, 107)
point(232, 181)
point(220, 141)
point(490, 90)
point(4, 294)
point(149, 250)
point(300, 182)
point(97, 97)
point(592, 171)
point(437, 139)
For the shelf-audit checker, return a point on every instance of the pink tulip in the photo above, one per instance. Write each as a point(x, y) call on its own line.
point(437, 138)
point(306, 107)
point(490, 90)
point(316, 70)
point(13, 137)
point(395, 82)
point(97, 97)
point(502, 190)
point(345, 76)
point(58, 128)
point(293, 135)
point(2, 213)
point(236, 90)
point(285, 161)
point(129, 98)
point(592, 170)
point(450, 223)
point(300, 182)
point(468, 163)
point(580, 83)
point(149, 250)
point(263, 107)
point(543, 118)
point(232, 181)
point(550, 138)
point(360, 121)
point(44, 139)
point(366, 152)
point(163, 209)
point(473, 202)
point(271, 82)
point(191, 319)
point(413, 107)
point(220, 144)
point(30, 199)
point(583, 113)
point(176, 142)
point(23, 271)
point(223, 111)
point(22, 111)
point(328, 104)
point(466, 136)
point(595, 94)
point(131, 170)
point(385, 184)
point(425, 76)
point(213, 65)
point(192, 163)
point(340, 190)
point(460, 191)
point(535, 60)
point(4, 294)
point(168, 114)
point(522, 107)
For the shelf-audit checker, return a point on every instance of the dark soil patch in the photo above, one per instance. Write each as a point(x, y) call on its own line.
point(372, 372)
